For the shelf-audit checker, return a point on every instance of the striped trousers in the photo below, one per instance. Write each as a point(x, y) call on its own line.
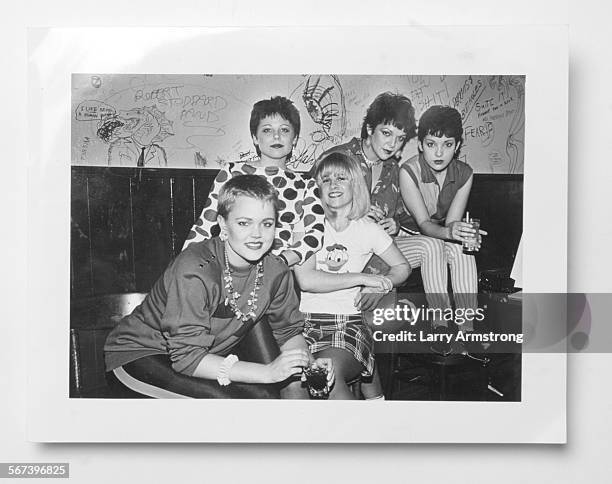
point(433, 256)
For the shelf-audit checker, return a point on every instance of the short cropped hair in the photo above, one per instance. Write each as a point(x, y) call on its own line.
point(390, 108)
point(441, 121)
point(252, 186)
point(340, 163)
point(278, 105)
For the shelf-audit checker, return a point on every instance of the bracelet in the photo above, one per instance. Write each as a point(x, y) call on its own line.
point(391, 282)
point(224, 369)
point(284, 259)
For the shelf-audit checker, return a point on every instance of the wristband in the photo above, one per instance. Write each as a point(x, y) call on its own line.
point(284, 259)
point(390, 282)
point(224, 369)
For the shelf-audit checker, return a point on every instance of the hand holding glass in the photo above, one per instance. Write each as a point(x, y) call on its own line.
point(471, 246)
point(316, 380)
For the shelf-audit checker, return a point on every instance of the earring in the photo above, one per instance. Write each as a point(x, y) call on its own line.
point(223, 236)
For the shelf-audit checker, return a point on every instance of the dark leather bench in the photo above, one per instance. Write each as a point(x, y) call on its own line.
point(92, 319)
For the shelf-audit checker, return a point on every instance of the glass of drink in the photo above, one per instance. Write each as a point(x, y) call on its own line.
point(471, 245)
point(316, 379)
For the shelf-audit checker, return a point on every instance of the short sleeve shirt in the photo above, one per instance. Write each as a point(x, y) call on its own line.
point(437, 199)
point(342, 252)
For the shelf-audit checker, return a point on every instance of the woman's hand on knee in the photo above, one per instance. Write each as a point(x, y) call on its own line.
point(367, 299)
point(287, 364)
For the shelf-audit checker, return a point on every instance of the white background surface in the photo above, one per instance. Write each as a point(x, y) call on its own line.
point(57, 53)
point(584, 458)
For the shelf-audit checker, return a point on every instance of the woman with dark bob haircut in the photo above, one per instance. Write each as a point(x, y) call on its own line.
point(388, 124)
point(435, 187)
point(275, 127)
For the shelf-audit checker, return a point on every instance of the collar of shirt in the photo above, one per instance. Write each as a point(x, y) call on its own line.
point(427, 175)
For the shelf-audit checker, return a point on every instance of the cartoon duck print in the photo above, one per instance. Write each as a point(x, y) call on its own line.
point(337, 256)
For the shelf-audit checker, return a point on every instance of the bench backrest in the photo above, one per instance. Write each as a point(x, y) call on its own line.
point(91, 319)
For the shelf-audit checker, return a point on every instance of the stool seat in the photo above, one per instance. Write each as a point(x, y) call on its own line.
point(439, 369)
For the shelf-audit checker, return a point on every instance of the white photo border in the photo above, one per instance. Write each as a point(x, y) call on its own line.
point(538, 52)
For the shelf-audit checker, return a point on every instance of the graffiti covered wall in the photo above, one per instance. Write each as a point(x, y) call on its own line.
point(202, 121)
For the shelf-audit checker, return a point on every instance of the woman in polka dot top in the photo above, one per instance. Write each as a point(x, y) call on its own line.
point(275, 127)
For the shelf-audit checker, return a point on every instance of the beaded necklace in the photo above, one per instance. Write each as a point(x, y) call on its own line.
point(367, 160)
point(232, 299)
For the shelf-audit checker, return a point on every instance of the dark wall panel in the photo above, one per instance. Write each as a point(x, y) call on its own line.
point(111, 233)
point(128, 223)
point(183, 209)
point(152, 229)
point(81, 275)
point(497, 200)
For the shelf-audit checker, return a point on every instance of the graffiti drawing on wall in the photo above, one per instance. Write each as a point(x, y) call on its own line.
point(485, 106)
point(512, 89)
point(134, 136)
point(202, 121)
point(323, 99)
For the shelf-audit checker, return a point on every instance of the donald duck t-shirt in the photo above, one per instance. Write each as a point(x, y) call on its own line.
point(345, 251)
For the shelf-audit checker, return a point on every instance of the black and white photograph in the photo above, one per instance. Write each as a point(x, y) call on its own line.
point(312, 241)
point(250, 237)
point(385, 264)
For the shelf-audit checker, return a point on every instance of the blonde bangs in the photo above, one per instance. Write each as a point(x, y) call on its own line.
point(339, 163)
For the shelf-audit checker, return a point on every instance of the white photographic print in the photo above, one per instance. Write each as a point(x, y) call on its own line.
point(144, 145)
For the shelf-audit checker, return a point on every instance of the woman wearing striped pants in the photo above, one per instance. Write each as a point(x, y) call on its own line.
point(435, 187)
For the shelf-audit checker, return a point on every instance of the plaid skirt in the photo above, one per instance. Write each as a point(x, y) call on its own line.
point(345, 331)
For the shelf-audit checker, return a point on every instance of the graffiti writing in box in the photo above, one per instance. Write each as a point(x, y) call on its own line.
point(419, 82)
point(159, 95)
point(85, 148)
point(196, 101)
point(188, 115)
point(173, 97)
point(484, 132)
point(467, 96)
point(91, 110)
point(202, 108)
point(490, 109)
point(462, 92)
point(424, 99)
